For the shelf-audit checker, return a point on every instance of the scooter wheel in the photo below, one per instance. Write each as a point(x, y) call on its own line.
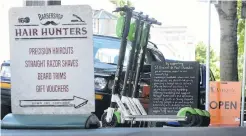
point(206, 118)
point(205, 121)
point(199, 121)
point(190, 120)
point(199, 118)
point(112, 123)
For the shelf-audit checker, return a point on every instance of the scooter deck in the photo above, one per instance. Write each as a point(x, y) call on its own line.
point(155, 118)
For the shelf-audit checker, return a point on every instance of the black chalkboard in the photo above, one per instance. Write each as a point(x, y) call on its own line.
point(174, 85)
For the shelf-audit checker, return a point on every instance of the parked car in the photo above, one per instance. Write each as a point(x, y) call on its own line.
point(106, 51)
point(5, 88)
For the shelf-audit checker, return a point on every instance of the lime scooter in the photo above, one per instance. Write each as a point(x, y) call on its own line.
point(129, 108)
point(133, 36)
point(110, 119)
point(125, 106)
point(138, 65)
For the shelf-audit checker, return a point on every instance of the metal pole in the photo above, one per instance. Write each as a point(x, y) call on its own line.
point(243, 82)
point(243, 16)
point(208, 57)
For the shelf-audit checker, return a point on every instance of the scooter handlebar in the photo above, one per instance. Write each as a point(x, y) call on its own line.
point(139, 15)
point(125, 8)
point(154, 21)
point(136, 14)
point(157, 23)
point(146, 17)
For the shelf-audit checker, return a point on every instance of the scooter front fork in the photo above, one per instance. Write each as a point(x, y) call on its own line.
point(110, 112)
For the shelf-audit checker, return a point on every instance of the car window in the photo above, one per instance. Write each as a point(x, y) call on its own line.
point(106, 50)
point(5, 71)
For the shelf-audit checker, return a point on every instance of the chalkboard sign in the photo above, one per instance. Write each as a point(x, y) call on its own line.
point(174, 85)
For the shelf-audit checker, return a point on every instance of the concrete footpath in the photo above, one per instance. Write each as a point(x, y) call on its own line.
point(170, 131)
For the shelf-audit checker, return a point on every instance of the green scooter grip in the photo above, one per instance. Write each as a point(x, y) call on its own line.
point(131, 34)
point(120, 26)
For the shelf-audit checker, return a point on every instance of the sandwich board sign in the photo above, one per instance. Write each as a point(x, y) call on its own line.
point(225, 103)
point(52, 60)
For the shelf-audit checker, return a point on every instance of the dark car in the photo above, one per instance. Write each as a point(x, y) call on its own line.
point(5, 88)
point(106, 51)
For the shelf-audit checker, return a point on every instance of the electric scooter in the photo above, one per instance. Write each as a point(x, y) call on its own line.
point(134, 36)
point(129, 97)
point(130, 109)
point(135, 31)
point(139, 66)
point(109, 118)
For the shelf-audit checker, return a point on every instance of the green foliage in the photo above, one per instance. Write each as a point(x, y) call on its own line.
point(121, 3)
point(240, 39)
point(240, 28)
point(201, 57)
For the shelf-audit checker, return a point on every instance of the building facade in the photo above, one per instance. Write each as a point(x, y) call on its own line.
point(104, 23)
point(175, 42)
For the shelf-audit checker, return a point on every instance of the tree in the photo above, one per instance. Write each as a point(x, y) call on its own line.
point(201, 57)
point(227, 11)
point(120, 3)
point(240, 42)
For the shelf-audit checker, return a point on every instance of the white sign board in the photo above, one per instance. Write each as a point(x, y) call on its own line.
point(52, 60)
